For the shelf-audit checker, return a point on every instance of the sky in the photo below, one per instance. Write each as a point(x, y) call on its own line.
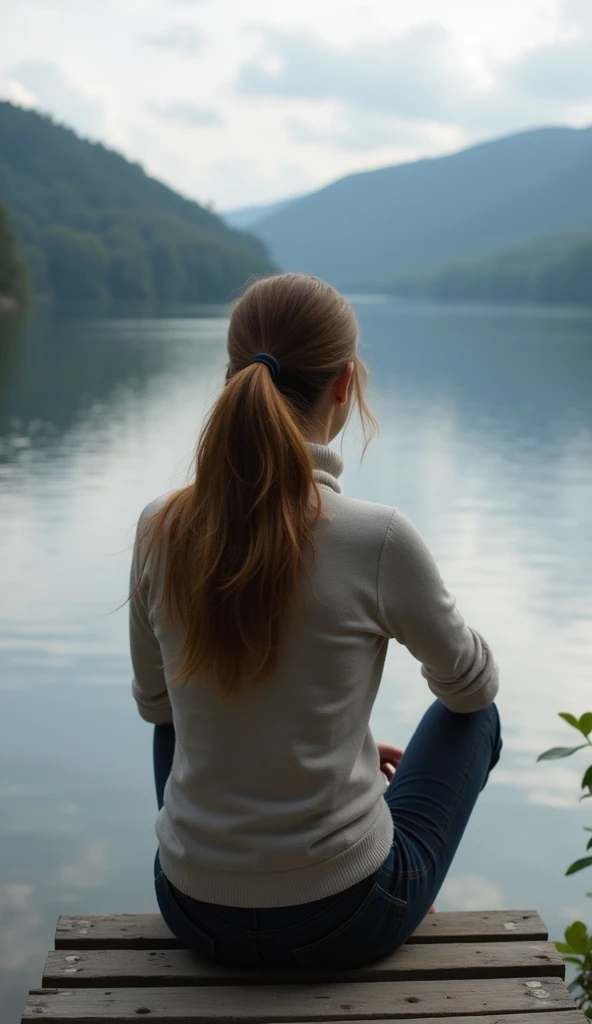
point(237, 103)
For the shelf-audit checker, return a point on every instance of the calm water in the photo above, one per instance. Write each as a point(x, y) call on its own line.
point(486, 443)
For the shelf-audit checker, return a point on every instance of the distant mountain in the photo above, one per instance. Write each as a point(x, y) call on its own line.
point(367, 230)
point(246, 216)
point(550, 271)
point(94, 226)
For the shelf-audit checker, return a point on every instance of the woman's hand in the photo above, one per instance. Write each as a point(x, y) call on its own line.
point(389, 759)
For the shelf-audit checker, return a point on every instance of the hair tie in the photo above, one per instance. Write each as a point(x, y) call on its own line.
point(270, 361)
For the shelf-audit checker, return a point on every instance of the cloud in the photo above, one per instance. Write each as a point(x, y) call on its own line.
point(46, 87)
point(471, 892)
point(560, 70)
point(287, 179)
point(21, 939)
point(414, 75)
point(188, 113)
point(559, 789)
point(352, 130)
point(16, 92)
point(359, 131)
point(183, 39)
point(383, 88)
point(89, 867)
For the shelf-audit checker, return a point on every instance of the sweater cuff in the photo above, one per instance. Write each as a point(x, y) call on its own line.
point(474, 690)
point(156, 716)
point(157, 709)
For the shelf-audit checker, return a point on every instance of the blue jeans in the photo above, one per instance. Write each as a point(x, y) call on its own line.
point(431, 797)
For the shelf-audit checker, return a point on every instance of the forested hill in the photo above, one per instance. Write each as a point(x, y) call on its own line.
point(94, 226)
point(14, 280)
point(367, 230)
point(550, 271)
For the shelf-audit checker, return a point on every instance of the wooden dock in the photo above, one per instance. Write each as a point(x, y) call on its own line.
point(473, 968)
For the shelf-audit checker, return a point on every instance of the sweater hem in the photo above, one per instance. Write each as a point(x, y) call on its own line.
point(260, 889)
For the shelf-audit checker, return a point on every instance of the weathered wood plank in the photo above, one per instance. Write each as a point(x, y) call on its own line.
point(277, 1004)
point(486, 926)
point(131, 967)
point(148, 931)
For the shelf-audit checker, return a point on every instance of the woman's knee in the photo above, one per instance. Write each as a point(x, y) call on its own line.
point(489, 723)
point(493, 732)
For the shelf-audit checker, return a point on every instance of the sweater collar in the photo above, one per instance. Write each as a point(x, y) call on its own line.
point(328, 465)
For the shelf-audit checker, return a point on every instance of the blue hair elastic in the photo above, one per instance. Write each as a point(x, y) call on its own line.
point(270, 361)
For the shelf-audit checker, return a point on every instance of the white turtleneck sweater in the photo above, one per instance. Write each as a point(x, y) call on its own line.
point(276, 798)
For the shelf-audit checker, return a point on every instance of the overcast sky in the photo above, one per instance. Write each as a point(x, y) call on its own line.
point(247, 101)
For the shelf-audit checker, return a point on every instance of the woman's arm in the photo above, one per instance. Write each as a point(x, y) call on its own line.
point(148, 684)
point(416, 609)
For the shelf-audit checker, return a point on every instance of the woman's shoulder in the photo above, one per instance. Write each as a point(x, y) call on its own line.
point(385, 522)
point(146, 520)
point(152, 508)
point(367, 517)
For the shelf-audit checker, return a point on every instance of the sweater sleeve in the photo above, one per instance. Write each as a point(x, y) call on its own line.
point(148, 683)
point(416, 609)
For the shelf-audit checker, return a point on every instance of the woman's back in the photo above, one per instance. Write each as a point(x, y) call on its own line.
point(275, 797)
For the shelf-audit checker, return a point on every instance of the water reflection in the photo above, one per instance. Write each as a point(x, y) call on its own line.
point(486, 442)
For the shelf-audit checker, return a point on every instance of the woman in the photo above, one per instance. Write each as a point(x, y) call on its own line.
point(262, 603)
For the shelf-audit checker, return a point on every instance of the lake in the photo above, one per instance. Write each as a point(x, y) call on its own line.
point(486, 443)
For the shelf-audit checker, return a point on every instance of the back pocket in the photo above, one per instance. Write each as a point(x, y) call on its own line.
point(369, 934)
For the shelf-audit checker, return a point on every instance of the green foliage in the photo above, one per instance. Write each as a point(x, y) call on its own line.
point(584, 862)
point(570, 719)
point(554, 270)
point(577, 951)
point(556, 752)
point(94, 226)
point(77, 262)
point(14, 276)
point(577, 948)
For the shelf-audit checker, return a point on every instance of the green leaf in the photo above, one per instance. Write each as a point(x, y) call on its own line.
point(577, 936)
point(556, 752)
point(577, 865)
point(587, 779)
point(586, 829)
point(589, 846)
point(585, 724)
point(570, 719)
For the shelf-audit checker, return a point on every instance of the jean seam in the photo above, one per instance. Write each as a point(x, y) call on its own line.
point(421, 872)
point(395, 901)
point(254, 937)
point(334, 934)
point(253, 926)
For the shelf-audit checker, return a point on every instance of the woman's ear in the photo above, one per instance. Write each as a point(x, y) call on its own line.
point(341, 386)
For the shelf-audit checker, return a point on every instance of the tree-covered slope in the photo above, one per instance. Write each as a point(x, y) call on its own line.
point(554, 270)
point(365, 230)
point(14, 279)
point(94, 226)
